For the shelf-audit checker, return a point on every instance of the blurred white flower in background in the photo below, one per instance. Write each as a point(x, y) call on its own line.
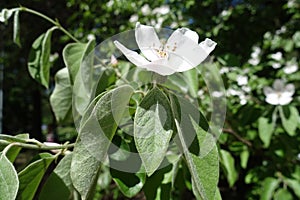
point(242, 80)
point(276, 56)
point(239, 93)
point(276, 65)
point(146, 10)
point(162, 10)
point(224, 70)
point(290, 67)
point(280, 94)
point(254, 60)
point(91, 37)
point(281, 30)
point(180, 53)
point(134, 18)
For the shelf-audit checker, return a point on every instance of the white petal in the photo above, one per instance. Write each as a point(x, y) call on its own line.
point(272, 99)
point(147, 40)
point(190, 34)
point(187, 49)
point(208, 45)
point(178, 63)
point(132, 56)
point(160, 67)
point(268, 90)
point(285, 99)
point(290, 89)
point(278, 85)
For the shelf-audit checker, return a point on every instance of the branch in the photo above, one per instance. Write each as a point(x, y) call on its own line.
point(232, 132)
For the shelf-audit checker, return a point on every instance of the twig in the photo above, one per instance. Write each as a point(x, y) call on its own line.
point(232, 132)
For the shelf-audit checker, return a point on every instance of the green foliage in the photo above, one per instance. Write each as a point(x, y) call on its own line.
point(171, 134)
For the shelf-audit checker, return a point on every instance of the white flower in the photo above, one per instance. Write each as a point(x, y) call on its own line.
point(146, 9)
point(162, 10)
point(242, 80)
point(290, 67)
point(180, 53)
point(243, 99)
point(134, 18)
point(276, 65)
point(217, 94)
point(254, 60)
point(246, 89)
point(276, 56)
point(224, 70)
point(279, 94)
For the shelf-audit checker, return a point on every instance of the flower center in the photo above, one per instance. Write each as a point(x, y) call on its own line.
point(161, 53)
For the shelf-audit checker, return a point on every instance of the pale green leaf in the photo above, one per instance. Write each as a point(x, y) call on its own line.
point(228, 162)
point(244, 156)
point(9, 182)
point(61, 98)
point(290, 119)
point(269, 185)
point(16, 32)
point(265, 130)
point(153, 129)
point(39, 64)
point(31, 176)
point(95, 135)
point(13, 152)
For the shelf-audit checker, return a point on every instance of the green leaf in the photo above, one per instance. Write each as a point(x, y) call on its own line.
point(39, 64)
point(295, 185)
point(228, 162)
point(61, 98)
point(290, 119)
point(74, 54)
point(95, 135)
point(283, 194)
point(9, 182)
point(153, 129)
point(31, 176)
point(14, 150)
point(296, 38)
point(192, 81)
point(269, 185)
point(129, 183)
point(16, 33)
point(265, 130)
point(204, 171)
point(62, 170)
point(54, 183)
point(244, 156)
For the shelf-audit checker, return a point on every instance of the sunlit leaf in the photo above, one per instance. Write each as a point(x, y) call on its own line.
point(290, 119)
point(265, 130)
point(269, 185)
point(153, 129)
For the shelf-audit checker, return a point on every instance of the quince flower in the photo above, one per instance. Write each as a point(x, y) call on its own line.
point(280, 94)
point(180, 53)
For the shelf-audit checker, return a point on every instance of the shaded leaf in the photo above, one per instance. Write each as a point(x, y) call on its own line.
point(39, 64)
point(228, 162)
point(9, 182)
point(61, 98)
point(153, 129)
point(62, 170)
point(31, 176)
point(129, 183)
point(283, 194)
point(265, 130)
